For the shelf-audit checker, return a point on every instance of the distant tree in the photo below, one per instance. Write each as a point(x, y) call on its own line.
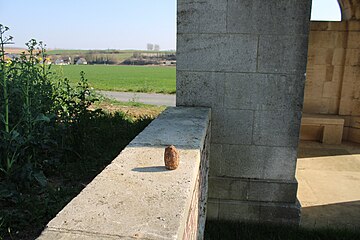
point(157, 47)
point(150, 46)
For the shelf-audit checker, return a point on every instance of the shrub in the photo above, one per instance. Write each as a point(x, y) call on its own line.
point(51, 144)
point(35, 105)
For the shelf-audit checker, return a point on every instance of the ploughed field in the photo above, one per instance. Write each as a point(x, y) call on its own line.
point(157, 79)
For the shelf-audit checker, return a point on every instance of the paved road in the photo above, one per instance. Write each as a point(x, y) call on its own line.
point(147, 98)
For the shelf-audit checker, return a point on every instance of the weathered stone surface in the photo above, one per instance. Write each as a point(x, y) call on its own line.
point(261, 162)
point(354, 135)
point(256, 91)
point(272, 191)
point(251, 73)
point(276, 128)
point(188, 126)
point(345, 136)
point(281, 162)
point(327, 39)
point(333, 134)
point(353, 39)
point(242, 161)
point(228, 188)
point(213, 209)
point(60, 234)
point(320, 56)
point(198, 16)
point(352, 57)
point(268, 17)
point(280, 213)
point(217, 52)
point(124, 199)
point(259, 211)
point(215, 160)
point(332, 64)
point(282, 54)
point(135, 196)
point(200, 89)
point(247, 189)
point(232, 126)
point(239, 211)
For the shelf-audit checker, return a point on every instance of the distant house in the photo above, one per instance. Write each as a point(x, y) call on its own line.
point(63, 61)
point(59, 61)
point(168, 63)
point(81, 61)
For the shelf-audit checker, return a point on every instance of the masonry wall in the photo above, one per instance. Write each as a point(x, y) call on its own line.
point(246, 60)
point(333, 73)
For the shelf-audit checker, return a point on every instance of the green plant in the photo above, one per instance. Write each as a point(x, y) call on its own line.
point(26, 99)
point(51, 144)
point(4, 116)
point(32, 117)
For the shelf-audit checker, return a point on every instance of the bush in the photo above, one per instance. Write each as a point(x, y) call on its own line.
point(51, 144)
point(35, 105)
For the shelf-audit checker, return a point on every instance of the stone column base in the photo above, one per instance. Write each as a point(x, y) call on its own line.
point(238, 199)
point(230, 210)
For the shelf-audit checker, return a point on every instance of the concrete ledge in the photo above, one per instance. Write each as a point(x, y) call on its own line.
point(136, 197)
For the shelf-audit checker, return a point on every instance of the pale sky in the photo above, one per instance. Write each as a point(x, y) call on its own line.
point(103, 24)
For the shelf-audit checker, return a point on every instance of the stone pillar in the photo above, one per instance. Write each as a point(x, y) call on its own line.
point(246, 59)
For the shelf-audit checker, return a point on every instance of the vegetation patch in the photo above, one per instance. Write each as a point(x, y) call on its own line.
point(52, 144)
point(132, 109)
point(157, 79)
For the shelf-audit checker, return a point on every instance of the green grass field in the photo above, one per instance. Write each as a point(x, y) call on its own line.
point(157, 79)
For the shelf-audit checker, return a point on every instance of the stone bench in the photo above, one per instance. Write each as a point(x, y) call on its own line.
point(326, 128)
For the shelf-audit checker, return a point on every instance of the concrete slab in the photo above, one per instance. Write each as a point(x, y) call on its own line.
point(135, 197)
point(329, 184)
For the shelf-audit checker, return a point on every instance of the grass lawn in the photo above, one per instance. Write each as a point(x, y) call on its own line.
point(251, 231)
point(157, 79)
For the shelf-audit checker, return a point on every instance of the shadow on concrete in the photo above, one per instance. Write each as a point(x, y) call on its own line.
point(150, 169)
point(309, 149)
point(329, 184)
point(337, 215)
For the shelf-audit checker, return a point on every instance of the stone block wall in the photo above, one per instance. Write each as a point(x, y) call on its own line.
point(246, 60)
point(333, 73)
